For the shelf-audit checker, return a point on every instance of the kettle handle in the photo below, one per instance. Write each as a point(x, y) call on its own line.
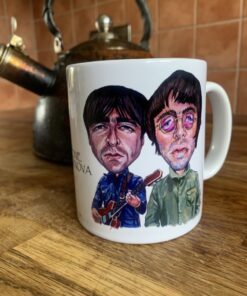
point(147, 22)
point(58, 42)
point(49, 21)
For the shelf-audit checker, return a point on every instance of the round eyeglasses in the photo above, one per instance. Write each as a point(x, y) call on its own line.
point(168, 122)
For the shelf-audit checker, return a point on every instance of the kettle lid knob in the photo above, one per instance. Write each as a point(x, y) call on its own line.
point(104, 23)
point(104, 27)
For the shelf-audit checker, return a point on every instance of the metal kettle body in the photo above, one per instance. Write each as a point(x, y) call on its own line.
point(51, 128)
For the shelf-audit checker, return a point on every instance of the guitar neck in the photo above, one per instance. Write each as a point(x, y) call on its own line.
point(148, 181)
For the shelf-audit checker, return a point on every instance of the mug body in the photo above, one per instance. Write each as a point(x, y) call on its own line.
point(138, 129)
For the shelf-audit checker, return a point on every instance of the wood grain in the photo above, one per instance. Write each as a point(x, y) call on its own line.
point(45, 251)
point(41, 262)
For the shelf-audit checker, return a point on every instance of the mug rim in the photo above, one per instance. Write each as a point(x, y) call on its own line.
point(133, 60)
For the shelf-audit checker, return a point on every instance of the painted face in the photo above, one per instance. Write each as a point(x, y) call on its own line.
point(116, 142)
point(175, 130)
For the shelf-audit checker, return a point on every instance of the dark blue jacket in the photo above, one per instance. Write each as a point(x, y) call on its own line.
point(111, 187)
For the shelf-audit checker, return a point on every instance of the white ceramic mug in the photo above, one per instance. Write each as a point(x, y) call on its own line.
point(138, 133)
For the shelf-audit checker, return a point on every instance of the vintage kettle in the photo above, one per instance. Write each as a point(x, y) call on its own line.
point(51, 129)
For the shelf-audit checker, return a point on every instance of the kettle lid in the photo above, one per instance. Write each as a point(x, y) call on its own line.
point(109, 42)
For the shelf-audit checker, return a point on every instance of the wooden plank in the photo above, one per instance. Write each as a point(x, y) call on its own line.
point(52, 264)
point(15, 230)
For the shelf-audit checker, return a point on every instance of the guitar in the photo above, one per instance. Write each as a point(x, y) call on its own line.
point(109, 213)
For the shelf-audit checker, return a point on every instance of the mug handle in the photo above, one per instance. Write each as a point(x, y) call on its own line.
point(221, 131)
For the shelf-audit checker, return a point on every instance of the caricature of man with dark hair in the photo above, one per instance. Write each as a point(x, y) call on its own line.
point(173, 123)
point(114, 119)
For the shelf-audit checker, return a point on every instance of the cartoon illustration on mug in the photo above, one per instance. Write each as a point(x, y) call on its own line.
point(173, 123)
point(114, 119)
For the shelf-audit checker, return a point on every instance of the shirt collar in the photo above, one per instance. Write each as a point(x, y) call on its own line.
point(123, 173)
point(174, 175)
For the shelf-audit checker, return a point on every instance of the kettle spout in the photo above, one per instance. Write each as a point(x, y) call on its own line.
point(20, 69)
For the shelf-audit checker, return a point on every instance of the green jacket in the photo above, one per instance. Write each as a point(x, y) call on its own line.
point(174, 199)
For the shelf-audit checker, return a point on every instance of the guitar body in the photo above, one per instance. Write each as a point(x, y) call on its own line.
point(115, 222)
point(107, 212)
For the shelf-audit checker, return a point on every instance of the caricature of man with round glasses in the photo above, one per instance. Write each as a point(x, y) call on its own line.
point(173, 123)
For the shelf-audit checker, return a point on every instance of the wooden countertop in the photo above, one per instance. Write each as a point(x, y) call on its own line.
point(45, 251)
